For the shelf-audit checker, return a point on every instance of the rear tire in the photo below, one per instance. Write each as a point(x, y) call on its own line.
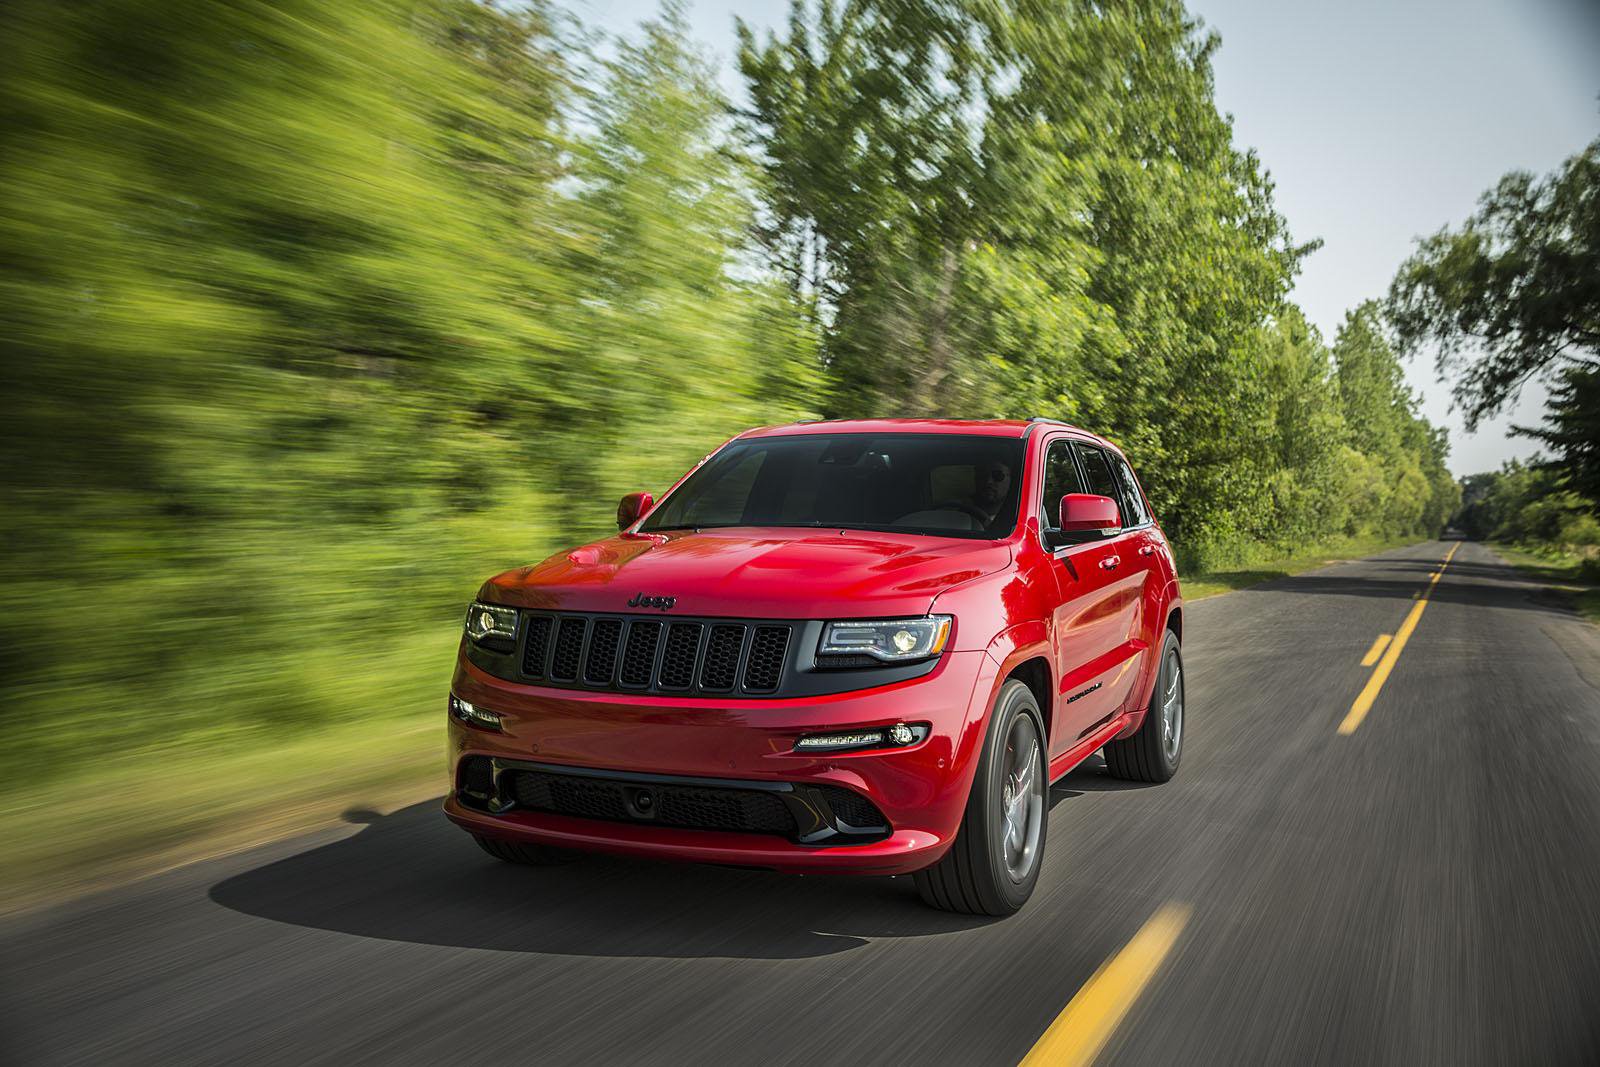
point(528, 855)
point(993, 864)
point(1154, 750)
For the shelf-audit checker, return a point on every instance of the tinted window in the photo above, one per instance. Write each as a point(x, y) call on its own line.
point(1134, 500)
point(1102, 482)
point(953, 485)
point(1060, 478)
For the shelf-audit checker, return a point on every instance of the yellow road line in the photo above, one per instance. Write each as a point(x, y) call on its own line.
point(1358, 710)
point(1376, 650)
point(1088, 1021)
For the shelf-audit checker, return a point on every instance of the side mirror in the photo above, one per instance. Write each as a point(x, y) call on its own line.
point(1083, 517)
point(632, 508)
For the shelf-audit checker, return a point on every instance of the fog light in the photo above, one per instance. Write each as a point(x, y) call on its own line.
point(857, 739)
point(472, 715)
point(897, 736)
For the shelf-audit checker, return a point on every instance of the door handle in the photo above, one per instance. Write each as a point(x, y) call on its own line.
point(1147, 550)
point(1110, 563)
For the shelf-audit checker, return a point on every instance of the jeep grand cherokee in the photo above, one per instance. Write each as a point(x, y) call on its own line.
point(835, 646)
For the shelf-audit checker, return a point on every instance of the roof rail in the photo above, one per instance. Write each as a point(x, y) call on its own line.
point(1047, 418)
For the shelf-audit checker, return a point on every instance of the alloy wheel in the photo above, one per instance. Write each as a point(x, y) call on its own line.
point(1021, 815)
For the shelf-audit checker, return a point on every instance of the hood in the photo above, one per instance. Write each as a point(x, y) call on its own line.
point(771, 573)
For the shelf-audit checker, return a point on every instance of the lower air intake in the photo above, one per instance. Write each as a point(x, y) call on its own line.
point(747, 811)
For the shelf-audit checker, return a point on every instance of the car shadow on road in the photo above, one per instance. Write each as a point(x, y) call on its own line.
point(1091, 776)
point(412, 877)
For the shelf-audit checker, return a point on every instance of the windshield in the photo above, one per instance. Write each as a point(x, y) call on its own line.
point(950, 485)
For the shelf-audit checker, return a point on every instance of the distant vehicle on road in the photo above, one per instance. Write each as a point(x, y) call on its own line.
point(835, 647)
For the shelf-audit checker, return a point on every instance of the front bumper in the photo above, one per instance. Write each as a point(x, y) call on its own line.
point(921, 790)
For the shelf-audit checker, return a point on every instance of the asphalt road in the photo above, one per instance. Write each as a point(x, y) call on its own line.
point(1423, 890)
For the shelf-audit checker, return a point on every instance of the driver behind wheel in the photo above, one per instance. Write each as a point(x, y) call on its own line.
point(976, 510)
point(994, 485)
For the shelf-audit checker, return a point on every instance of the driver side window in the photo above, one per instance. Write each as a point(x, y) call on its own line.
point(1060, 478)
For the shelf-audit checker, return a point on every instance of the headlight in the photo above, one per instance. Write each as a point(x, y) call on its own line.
point(887, 640)
point(492, 625)
point(471, 714)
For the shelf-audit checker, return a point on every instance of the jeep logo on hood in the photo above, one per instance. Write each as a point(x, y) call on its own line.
point(664, 603)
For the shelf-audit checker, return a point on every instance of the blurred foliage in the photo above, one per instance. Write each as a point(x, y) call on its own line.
point(316, 314)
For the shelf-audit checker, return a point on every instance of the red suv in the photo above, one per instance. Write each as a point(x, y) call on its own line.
point(834, 647)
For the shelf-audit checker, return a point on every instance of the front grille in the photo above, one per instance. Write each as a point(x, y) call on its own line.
point(764, 666)
point(622, 653)
point(601, 662)
point(637, 665)
point(748, 811)
point(678, 658)
point(722, 658)
point(569, 649)
point(537, 645)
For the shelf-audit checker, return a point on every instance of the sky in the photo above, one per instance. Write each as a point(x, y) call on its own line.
point(1380, 121)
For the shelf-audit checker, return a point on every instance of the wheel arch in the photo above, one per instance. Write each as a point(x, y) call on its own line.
point(1034, 672)
point(1023, 652)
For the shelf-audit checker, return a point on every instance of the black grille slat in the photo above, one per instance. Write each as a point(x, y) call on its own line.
point(536, 645)
point(639, 661)
point(678, 658)
point(764, 666)
point(601, 662)
point(720, 665)
point(569, 649)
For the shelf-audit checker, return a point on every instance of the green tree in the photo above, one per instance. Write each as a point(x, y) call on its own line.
point(1031, 209)
point(1306, 436)
point(1408, 488)
point(1572, 430)
point(1515, 291)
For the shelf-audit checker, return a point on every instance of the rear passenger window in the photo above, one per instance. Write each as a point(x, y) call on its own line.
point(1102, 482)
point(1060, 478)
point(1135, 509)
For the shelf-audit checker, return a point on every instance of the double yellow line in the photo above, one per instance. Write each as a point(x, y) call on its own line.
point(1390, 650)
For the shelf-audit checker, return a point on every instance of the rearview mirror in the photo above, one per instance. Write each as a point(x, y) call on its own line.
point(632, 508)
point(1084, 517)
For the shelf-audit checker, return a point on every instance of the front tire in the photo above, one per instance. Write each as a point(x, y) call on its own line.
point(1154, 750)
point(993, 864)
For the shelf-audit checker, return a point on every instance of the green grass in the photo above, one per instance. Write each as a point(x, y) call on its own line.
point(110, 823)
point(119, 814)
point(1262, 563)
point(1572, 575)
